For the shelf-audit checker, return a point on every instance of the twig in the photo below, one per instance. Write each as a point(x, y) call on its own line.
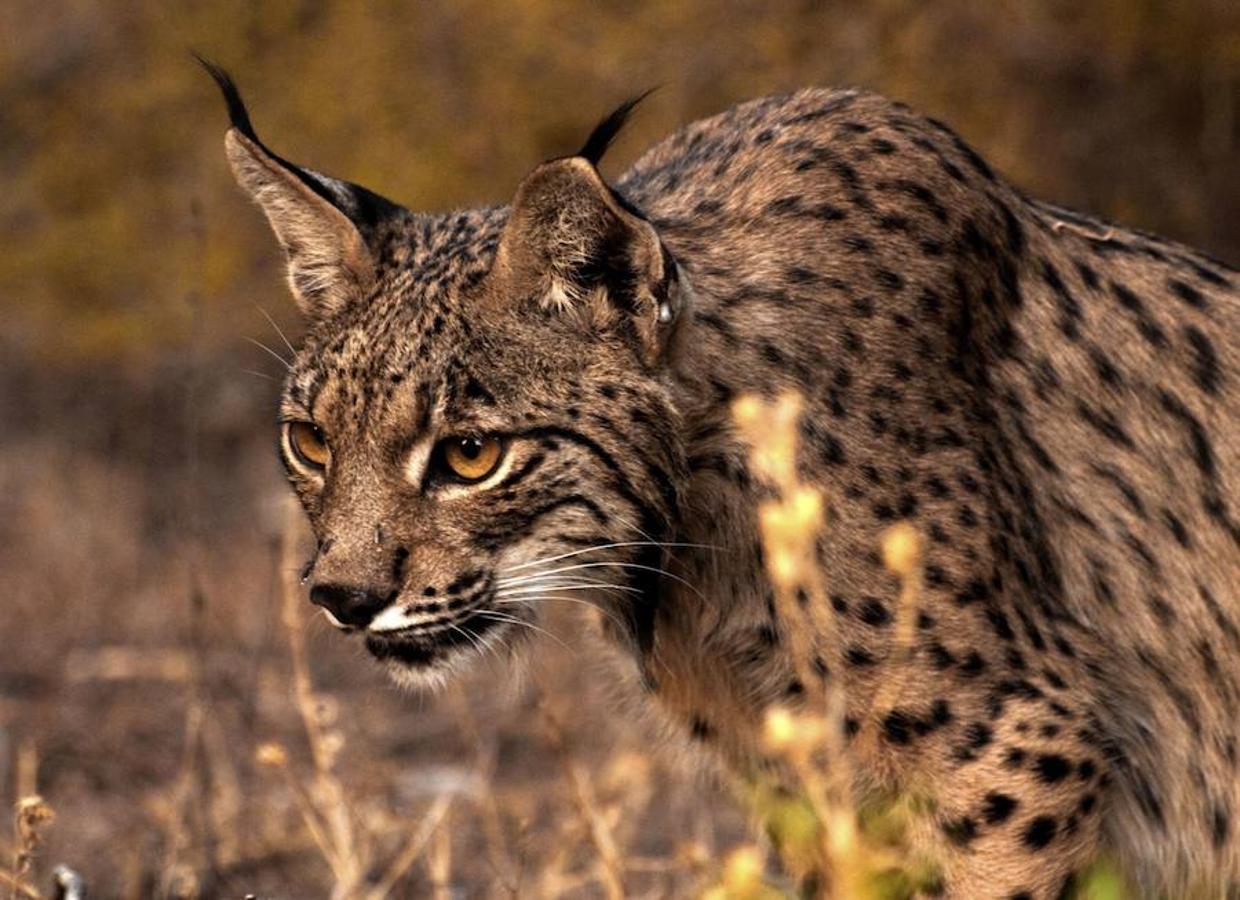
point(32, 815)
point(20, 888)
point(492, 821)
point(331, 800)
point(413, 848)
point(439, 863)
point(612, 865)
point(275, 756)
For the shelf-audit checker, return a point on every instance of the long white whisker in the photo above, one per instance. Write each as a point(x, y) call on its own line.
point(267, 316)
point(625, 565)
point(258, 374)
point(544, 578)
point(538, 588)
point(647, 535)
point(537, 576)
point(563, 582)
point(651, 537)
point(470, 636)
point(527, 601)
point(514, 620)
point(260, 345)
point(551, 559)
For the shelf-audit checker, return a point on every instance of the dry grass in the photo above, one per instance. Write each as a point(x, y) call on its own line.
point(203, 735)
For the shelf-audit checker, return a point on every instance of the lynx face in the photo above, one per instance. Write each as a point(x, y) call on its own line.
point(452, 455)
point(478, 421)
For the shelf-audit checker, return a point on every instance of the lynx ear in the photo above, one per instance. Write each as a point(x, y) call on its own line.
point(573, 244)
point(326, 227)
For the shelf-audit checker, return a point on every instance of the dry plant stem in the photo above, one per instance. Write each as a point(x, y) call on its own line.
point(191, 824)
point(824, 789)
point(27, 770)
point(439, 863)
point(175, 825)
point(791, 524)
point(332, 803)
point(19, 887)
point(611, 863)
point(906, 617)
point(310, 815)
point(224, 795)
point(903, 556)
point(413, 848)
point(492, 822)
point(32, 814)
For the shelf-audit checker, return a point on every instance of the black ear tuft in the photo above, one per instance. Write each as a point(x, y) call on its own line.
point(365, 208)
point(605, 131)
point(237, 113)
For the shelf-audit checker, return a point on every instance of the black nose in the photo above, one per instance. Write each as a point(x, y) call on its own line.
point(351, 606)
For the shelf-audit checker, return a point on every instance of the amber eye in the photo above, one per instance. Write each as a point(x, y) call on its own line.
point(308, 444)
point(471, 458)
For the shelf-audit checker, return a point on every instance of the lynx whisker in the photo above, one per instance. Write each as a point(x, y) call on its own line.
point(559, 580)
point(618, 544)
point(525, 590)
point(276, 356)
point(516, 620)
point(615, 564)
point(279, 331)
point(525, 601)
point(470, 636)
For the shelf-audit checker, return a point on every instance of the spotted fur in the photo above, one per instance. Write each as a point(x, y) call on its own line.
point(1051, 400)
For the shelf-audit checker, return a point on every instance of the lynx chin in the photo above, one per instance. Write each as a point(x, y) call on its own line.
point(498, 409)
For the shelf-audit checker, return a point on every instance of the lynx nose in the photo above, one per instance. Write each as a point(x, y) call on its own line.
point(351, 606)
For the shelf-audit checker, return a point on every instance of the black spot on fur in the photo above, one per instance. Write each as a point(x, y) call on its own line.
point(1039, 832)
point(960, 832)
point(1206, 371)
point(996, 807)
point(1220, 825)
point(873, 612)
point(1052, 768)
point(859, 656)
point(1187, 293)
point(898, 727)
point(700, 729)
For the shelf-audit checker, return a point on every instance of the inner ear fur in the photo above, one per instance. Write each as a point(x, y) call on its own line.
point(328, 259)
point(571, 244)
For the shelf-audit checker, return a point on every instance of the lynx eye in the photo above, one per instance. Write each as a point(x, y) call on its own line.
point(308, 444)
point(471, 458)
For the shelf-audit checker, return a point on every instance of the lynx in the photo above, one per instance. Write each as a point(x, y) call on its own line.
point(498, 407)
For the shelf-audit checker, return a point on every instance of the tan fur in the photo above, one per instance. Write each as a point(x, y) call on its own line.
point(1051, 401)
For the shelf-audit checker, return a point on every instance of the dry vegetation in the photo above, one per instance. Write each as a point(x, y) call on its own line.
point(315, 806)
point(317, 786)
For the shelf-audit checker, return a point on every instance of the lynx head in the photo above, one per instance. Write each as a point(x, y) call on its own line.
point(479, 419)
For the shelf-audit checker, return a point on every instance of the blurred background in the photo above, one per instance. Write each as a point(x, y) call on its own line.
point(143, 655)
